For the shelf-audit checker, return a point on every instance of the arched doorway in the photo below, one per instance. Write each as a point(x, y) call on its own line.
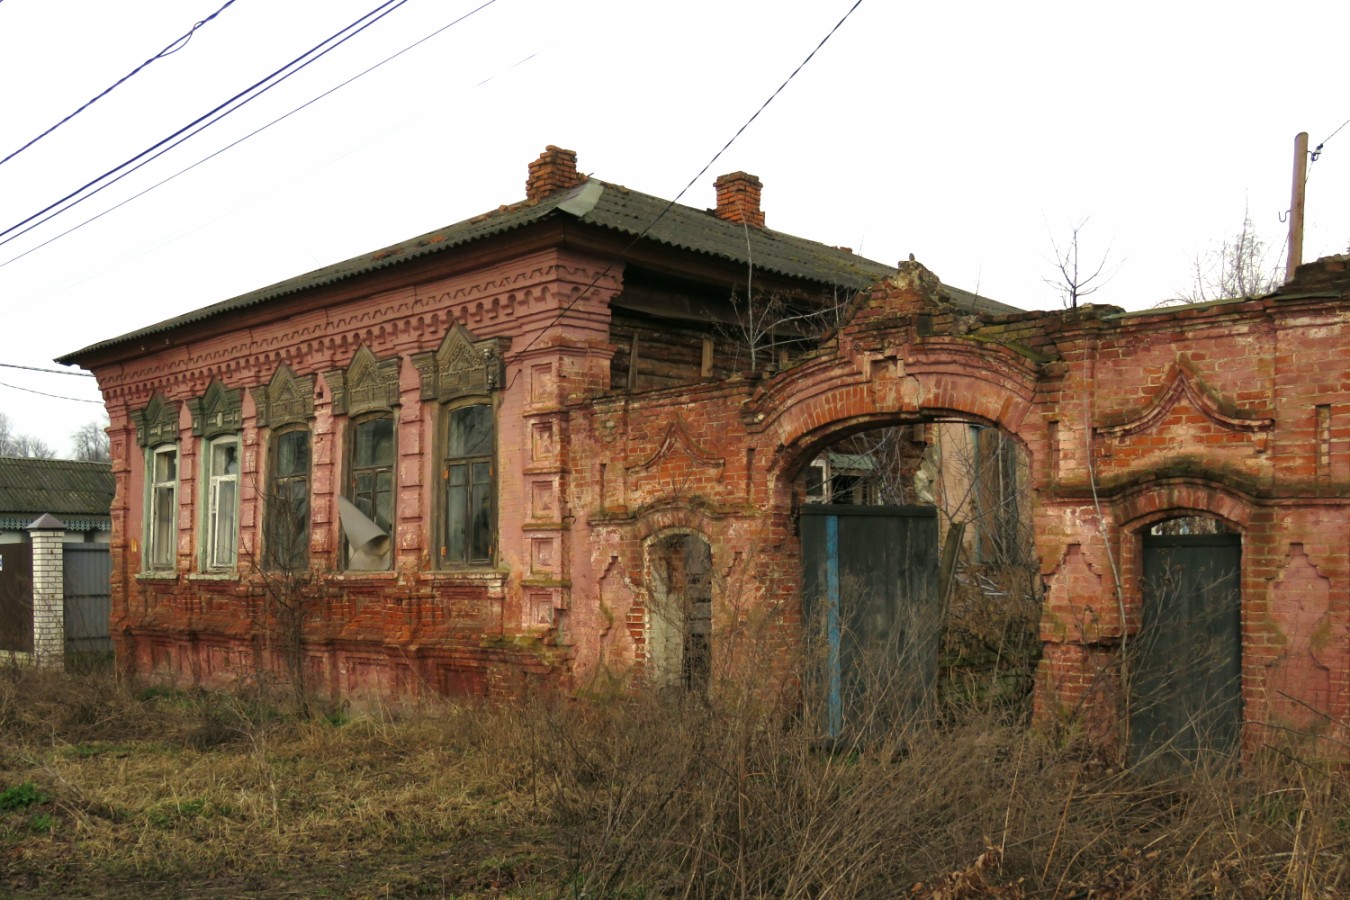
point(917, 559)
point(679, 616)
point(1185, 666)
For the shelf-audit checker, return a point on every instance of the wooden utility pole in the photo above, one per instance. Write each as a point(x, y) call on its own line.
point(1296, 203)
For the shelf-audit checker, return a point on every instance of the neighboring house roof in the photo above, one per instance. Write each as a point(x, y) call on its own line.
point(602, 205)
point(80, 494)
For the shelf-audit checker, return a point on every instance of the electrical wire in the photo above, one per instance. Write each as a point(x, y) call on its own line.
point(173, 47)
point(48, 371)
point(1317, 151)
point(15, 387)
point(248, 94)
point(239, 141)
point(671, 204)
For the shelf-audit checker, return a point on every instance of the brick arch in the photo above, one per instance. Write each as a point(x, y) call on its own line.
point(817, 430)
point(666, 630)
point(1157, 501)
point(808, 410)
point(686, 515)
point(1166, 499)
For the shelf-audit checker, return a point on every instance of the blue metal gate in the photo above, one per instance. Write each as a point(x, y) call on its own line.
point(871, 610)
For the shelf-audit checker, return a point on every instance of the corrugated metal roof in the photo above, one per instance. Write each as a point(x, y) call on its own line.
point(62, 487)
point(603, 205)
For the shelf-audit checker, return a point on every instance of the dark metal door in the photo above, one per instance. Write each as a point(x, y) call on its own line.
point(1187, 677)
point(871, 610)
point(86, 573)
point(16, 598)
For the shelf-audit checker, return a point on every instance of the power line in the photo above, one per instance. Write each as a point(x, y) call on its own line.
point(247, 93)
point(173, 47)
point(232, 144)
point(1317, 151)
point(49, 371)
point(15, 387)
point(662, 214)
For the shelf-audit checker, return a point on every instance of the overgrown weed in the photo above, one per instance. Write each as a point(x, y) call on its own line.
point(625, 795)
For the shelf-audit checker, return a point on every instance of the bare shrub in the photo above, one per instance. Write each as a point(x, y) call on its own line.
point(113, 789)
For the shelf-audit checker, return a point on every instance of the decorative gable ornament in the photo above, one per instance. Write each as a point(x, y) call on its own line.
point(158, 422)
point(219, 411)
point(367, 385)
point(288, 399)
point(461, 366)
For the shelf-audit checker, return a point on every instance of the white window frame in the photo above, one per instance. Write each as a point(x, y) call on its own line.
point(216, 483)
point(823, 495)
point(153, 550)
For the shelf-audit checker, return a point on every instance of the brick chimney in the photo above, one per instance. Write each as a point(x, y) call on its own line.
point(555, 170)
point(738, 199)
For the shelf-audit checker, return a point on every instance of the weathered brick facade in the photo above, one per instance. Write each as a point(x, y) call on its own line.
point(1237, 411)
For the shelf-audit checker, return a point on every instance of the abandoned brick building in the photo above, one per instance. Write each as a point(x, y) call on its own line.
point(506, 445)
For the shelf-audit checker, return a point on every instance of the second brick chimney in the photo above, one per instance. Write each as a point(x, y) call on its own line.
point(555, 170)
point(738, 199)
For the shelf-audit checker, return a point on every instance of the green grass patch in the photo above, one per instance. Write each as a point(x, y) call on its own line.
point(21, 796)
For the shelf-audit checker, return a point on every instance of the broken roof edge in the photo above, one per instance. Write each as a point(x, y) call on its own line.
point(582, 203)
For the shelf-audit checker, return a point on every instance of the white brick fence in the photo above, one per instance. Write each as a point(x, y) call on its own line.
point(57, 569)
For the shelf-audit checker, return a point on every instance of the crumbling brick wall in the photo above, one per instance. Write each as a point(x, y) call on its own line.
point(1236, 411)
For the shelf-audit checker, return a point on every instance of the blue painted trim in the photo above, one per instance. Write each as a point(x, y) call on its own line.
point(836, 704)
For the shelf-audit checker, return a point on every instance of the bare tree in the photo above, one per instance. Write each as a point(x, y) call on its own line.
point(14, 444)
point(90, 442)
point(290, 591)
point(1242, 266)
point(37, 448)
point(1072, 277)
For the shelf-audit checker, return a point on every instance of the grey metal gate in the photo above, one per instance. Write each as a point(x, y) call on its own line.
point(1186, 666)
point(87, 569)
point(16, 598)
point(871, 609)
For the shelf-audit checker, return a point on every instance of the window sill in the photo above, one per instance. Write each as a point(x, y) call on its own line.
point(467, 574)
point(213, 576)
point(362, 576)
point(157, 575)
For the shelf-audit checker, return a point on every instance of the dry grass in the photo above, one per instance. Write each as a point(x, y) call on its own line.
point(107, 789)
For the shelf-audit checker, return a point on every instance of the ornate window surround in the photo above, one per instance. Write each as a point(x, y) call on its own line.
point(460, 373)
point(366, 390)
point(157, 434)
point(284, 406)
point(218, 420)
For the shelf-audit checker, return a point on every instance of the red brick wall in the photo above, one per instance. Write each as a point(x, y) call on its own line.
point(1237, 411)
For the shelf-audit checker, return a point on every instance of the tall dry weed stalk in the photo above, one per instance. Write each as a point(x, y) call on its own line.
point(128, 789)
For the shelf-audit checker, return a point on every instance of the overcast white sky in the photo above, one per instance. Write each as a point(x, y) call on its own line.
point(964, 133)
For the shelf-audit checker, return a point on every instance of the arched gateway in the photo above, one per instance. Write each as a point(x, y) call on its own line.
point(1128, 419)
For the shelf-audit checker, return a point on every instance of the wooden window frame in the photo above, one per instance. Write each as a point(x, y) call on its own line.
point(353, 473)
point(471, 557)
point(157, 546)
point(215, 556)
point(280, 499)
